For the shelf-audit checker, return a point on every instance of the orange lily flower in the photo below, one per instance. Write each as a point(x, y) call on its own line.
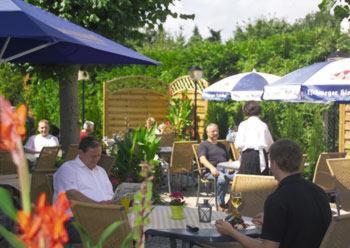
point(44, 226)
point(12, 124)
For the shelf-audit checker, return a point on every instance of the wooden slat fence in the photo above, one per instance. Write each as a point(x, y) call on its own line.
point(344, 127)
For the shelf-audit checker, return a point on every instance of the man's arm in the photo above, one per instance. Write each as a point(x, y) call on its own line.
point(226, 228)
point(208, 165)
point(78, 196)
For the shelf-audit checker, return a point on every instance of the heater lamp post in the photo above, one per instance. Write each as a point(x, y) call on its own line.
point(83, 76)
point(196, 74)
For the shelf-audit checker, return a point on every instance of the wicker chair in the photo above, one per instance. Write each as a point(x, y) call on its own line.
point(106, 162)
point(41, 182)
point(322, 176)
point(72, 152)
point(95, 218)
point(340, 169)
point(255, 189)
point(6, 164)
point(181, 160)
point(200, 176)
point(47, 158)
point(337, 235)
point(166, 139)
point(235, 152)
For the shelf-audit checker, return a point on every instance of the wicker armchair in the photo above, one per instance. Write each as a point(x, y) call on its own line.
point(181, 160)
point(41, 181)
point(72, 152)
point(47, 158)
point(96, 217)
point(337, 235)
point(200, 177)
point(106, 162)
point(340, 169)
point(255, 189)
point(235, 152)
point(6, 164)
point(322, 176)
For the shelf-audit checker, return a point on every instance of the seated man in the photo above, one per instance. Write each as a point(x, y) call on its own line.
point(37, 142)
point(82, 179)
point(296, 214)
point(210, 153)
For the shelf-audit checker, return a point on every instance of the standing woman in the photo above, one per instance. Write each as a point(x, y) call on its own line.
point(253, 139)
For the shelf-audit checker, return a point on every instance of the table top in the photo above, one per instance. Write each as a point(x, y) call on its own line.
point(229, 165)
point(161, 224)
point(11, 180)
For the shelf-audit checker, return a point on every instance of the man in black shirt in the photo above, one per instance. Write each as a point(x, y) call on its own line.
point(296, 214)
point(211, 152)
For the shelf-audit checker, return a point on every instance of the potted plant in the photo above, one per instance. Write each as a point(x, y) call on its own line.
point(177, 204)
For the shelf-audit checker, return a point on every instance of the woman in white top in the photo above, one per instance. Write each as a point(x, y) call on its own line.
point(253, 139)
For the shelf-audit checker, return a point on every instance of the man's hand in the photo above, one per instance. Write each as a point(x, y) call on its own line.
point(224, 227)
point(214, 172)
point(258, 219)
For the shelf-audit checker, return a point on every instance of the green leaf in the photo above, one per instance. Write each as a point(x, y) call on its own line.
point(11, 238)
point(108, 232)
point(6, 204)
point(84, 235)
point(127, 241)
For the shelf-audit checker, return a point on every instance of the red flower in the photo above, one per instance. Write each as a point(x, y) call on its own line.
point(44, 226)
point(177, 199)
point(12, 124)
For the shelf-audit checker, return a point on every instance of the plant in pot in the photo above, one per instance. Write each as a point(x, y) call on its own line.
point(177, 204)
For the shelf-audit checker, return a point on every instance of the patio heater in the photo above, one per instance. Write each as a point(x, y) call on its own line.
point(196, 74)
point(83, 76)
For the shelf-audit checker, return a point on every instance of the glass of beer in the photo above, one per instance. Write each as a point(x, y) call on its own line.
point(236, 201)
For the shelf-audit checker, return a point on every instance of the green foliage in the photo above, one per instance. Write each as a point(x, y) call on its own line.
point(7, 207)
point(180, 115)
point(137, 146)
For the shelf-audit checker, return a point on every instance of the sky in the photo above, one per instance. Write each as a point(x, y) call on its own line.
point(225, 15)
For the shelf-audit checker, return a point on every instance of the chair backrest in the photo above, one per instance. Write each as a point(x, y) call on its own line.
point(47, 158)
point(106, 162)
point(322, 175)
point(235, 152)
point(200, 167)
point(337, 235)
point(255, 189)
point(72, 152)
point(41, 182)
point(181, 160)
point(7, 166)
point(96, 217)
point(166, 139)
point(340, 169)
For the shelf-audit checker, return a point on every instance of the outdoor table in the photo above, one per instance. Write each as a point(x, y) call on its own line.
point(165, 149)
point(162, 225)
point(229, 165)
point(11, 180)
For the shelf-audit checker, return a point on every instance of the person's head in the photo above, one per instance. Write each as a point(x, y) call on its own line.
point(161, 128)
point(43, 128)
point(212, 132)
point(89, 151)
point(88, 126)
point(150, 122)
point(285, 155)
point(251, 108)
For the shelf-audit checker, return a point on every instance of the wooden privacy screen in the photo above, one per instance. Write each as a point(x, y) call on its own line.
point(344, 128)
point(181, 84)
point(129, 108)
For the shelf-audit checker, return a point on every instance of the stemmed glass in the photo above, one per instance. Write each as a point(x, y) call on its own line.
point(236, 201)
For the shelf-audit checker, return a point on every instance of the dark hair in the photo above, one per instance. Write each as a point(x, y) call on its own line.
point(251, 108)
point(88, 142)
point(287, 154)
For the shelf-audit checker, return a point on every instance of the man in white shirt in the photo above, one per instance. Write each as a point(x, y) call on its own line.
point(37, 142)
point(82, 179)
point(253, 139)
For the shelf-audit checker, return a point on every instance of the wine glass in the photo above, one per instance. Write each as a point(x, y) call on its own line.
point(236, 201)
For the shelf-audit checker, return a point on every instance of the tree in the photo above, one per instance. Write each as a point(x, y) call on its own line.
point(215, 36)
point(119, 20)
point(196, 36)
